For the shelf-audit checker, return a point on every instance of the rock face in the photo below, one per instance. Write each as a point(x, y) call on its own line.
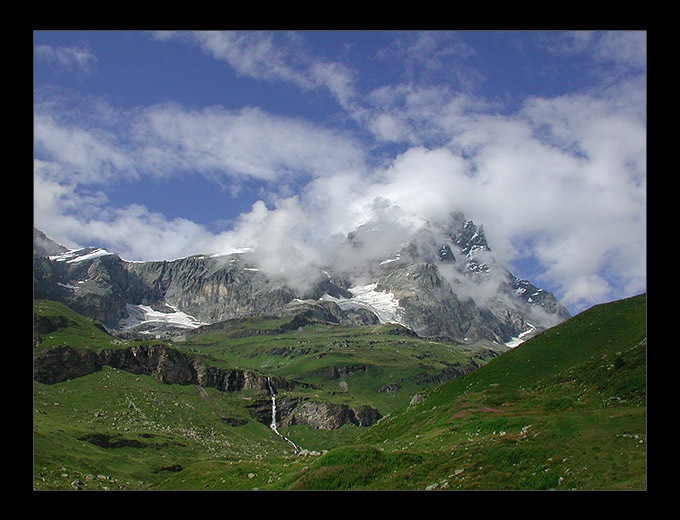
point(443, 281)
point(328, 416)
point(57, 364)
point(446, 282)
point(167, 365)
point(318, 415)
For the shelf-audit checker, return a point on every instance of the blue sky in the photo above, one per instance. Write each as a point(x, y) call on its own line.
point(159, 145)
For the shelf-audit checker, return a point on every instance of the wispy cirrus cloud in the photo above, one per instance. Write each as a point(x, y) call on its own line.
point(271, 56)
point(72, 59)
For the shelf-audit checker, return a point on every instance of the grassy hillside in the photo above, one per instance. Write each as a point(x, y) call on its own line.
point(564, 410)
point(344, 364)
point(56, 324)
point(141, 434)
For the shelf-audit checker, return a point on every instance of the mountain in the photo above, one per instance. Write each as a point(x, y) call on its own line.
point(440, 281)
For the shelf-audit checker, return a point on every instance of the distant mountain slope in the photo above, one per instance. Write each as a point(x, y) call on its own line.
point(441, 281)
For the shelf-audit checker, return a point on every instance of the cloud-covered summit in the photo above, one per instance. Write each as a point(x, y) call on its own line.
point(300, 138)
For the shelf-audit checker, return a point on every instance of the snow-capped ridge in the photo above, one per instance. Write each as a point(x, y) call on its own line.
point(79, 255)
point(439, 280)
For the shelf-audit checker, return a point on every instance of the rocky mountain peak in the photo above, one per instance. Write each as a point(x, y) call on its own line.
point(440, 280)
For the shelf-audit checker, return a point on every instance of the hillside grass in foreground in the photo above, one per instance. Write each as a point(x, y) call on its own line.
point(565, 410)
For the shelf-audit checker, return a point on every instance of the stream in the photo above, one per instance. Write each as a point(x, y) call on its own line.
point(273, 424)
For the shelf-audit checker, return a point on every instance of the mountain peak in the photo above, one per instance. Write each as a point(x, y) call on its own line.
point(439, 279)
point(45, 246)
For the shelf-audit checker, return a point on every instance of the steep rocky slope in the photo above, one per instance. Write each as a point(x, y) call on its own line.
point(441, 281)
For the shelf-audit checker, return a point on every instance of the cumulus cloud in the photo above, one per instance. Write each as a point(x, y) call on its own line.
point(80, 156)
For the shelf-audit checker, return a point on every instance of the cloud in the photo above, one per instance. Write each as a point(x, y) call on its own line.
point(247, 142)
point(429, 57)
point(73, 59)
point(560, 181)
point(271, 56)
point(79, 218)
point(96, 142)
point(625, 48)
point(83, 147)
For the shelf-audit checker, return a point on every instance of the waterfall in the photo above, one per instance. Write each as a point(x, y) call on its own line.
point(273, 423)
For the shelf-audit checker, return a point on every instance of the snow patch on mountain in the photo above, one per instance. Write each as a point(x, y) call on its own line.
point(382, 303)
point(517, 340)
point(80, 255)
point(145, 315)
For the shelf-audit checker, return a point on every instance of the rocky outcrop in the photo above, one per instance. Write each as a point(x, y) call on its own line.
point(59, 363)
point(166, 364)
point(318, 415)
point(328, 416)
point(327, 311)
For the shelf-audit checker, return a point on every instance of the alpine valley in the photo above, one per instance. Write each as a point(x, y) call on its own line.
point(411, 361)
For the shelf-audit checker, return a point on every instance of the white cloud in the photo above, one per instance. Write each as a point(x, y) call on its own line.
point(253, 54)
point(135, 233)
point(96, 143)
point(244, 143)
point(626, 48)
point(78, 219)
point(561, 180)
point(586, 288)
point(90, 154)
point(272, 56)
point(80, 155)
point(79, 59)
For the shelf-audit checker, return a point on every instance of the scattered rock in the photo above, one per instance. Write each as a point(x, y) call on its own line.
point(394, 387)
point(233, 421)
point(174, 468)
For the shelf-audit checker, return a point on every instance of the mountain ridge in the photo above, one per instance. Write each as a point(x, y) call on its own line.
point(442, 281)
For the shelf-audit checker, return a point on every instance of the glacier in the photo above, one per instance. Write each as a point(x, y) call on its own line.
point(145, 315)
point(382, 303)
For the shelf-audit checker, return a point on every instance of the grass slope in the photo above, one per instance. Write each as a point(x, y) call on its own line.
point(137, 433)
point(565, 410)
point(347, 365)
